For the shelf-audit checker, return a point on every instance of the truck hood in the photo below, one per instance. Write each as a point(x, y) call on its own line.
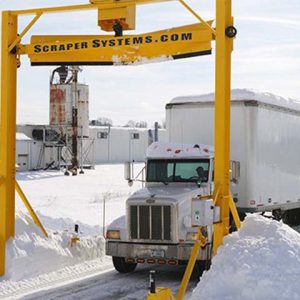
point(169, 192)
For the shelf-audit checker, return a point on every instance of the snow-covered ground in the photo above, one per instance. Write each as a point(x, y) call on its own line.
point(78, 198)
point(261, 261)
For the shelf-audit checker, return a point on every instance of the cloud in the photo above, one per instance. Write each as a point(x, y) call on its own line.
point(266, 57)
point(291, 23)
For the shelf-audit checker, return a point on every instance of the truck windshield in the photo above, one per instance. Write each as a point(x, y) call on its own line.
point(187, 170)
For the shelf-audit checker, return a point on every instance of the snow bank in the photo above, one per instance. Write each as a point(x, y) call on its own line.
point(30, 254)
point(261, 261)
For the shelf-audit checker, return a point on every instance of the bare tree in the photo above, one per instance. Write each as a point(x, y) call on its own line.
point(130, 123)
point(134, 124)
point(102, 121)
point(141, 124)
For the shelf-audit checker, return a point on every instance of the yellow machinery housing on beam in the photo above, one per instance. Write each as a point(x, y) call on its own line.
point(179, 42)
point(126, 16)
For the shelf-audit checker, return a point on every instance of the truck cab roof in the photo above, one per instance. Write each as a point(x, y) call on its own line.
point(159, 150)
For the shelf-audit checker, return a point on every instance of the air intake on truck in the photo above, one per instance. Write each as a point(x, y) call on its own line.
point(150, 222)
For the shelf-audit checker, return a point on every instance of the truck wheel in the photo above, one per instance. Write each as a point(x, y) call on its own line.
point(277, 214)
point(292, 217)
point(121, 266)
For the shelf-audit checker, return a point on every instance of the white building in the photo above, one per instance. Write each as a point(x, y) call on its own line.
point(104, 145)
point(27, 152)
point(121, 144)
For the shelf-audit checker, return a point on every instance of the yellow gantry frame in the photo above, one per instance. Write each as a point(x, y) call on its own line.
point(221, 196)
point(9, 58)
point(10, 47)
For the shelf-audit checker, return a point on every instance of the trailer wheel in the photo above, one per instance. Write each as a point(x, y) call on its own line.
point(292, 217)
point(121, 266)
point(277, 214)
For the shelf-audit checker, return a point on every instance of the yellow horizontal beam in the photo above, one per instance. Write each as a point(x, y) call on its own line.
point(105, 4)
point(174, 43)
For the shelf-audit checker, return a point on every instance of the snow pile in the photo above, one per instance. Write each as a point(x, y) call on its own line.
point(261, 261)
point(30, 254)
point(244, 94)
point(22, 137)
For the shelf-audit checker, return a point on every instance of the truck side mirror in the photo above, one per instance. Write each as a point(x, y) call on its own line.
point(235, 171)
point(128, 166)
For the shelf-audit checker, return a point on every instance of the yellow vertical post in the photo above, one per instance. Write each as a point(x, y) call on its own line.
point(7, 133)
point(224, 47)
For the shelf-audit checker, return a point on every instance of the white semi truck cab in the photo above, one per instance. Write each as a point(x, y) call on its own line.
point(158, 225)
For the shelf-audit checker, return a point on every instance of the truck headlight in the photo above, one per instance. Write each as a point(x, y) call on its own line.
point(191, 236)
point(113, 234)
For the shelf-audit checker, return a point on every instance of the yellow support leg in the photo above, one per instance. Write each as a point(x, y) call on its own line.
point(224, 46)
point(200, 242)
point(30, 209)
point(7, 133)
point(165, 293)
point(161, 294)
point(217, 237)
point(219, 227)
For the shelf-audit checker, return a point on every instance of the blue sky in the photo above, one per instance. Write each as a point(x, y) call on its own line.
point(266, 57)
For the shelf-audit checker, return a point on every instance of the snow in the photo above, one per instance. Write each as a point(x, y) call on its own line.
point(145, 60)
point(173, 150)
point(121, 60)
point(31, 247)
point(78, 199)
point(244, 94)
point(31, 258)
point(33, 261)
point(261, 261)
point(22, 137)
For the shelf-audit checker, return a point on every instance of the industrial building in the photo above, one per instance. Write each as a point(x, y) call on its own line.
point(105, 145)
point(68, 141)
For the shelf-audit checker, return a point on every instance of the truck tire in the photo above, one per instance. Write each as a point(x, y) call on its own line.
point(121, 266)
point(292, 217)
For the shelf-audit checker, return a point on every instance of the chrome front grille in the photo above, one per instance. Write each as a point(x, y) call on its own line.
point(150, 222)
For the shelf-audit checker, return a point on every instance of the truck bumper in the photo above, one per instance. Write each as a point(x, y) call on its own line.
point(147, 251)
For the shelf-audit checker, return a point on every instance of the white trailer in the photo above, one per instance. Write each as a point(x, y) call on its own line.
point(265, 140)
